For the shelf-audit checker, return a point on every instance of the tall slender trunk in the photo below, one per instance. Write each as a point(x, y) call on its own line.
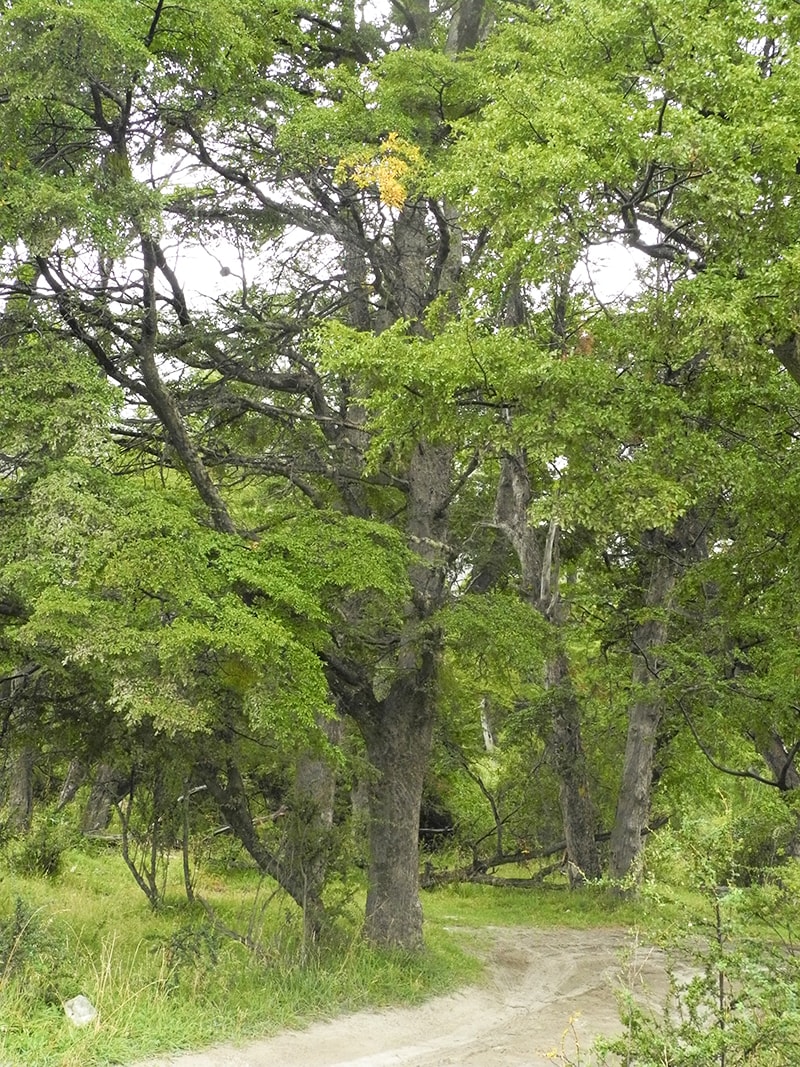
point(309, 827)
point(633, 802)
point(73, 780)
point(568, 760)
point(644, 716)
point(538, 553)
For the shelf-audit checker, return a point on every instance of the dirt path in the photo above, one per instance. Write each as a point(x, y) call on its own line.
point(537, 981)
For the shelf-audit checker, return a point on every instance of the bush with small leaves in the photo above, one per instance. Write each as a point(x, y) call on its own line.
point(40, 851)
point(734, 996)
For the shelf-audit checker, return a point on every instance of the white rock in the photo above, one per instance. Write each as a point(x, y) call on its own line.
point(80, 1011)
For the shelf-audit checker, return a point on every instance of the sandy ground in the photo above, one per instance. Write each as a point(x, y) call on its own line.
point(545, 990)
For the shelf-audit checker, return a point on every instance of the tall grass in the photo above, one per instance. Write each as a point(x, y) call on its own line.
point(166, 980)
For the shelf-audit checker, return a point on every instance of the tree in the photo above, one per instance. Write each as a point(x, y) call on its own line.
point(99, 103)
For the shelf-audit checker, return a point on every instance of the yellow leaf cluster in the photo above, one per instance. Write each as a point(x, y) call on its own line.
point(389, 168)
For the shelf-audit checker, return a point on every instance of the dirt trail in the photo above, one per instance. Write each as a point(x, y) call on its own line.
point(537, 981)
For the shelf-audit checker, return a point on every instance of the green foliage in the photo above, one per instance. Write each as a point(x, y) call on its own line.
point(742, 839)
point(22, 938)
point(79, 74)
point(192, 951)
point(734, 991)
point(582, 99)
point(498, 645)
point(50, 407)
point(122, 579)
point(40, 850)
point(423, 229)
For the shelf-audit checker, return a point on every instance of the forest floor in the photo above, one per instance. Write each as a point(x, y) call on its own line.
point(546, 991)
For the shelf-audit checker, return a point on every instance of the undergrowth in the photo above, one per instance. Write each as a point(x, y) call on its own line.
point(169, 980)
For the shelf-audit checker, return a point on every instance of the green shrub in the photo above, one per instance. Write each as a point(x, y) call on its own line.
point(193, 951)
point(20, 935)
point(738, 1002)
point(40, 852)
point(34, 954)
point(736, 841)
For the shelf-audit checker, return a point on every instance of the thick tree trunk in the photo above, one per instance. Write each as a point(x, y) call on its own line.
point(17, 725)
point(108, 787)
point(781, 762)
point(465, 27)
point(399, 732)
point(398, 741)
point(633, 803)
point(670, 555)
point(397, 721)
point(644, 716)
point(20, 790)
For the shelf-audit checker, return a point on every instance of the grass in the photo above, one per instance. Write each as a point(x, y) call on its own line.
point(594, 906)
point(165, 981)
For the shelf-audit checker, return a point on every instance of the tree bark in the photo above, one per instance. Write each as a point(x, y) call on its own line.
point(784, 769)
point(109, 786)
point(568, 760)
point(633, 803)
point(538, 553)
point(465, 26)
point(398, 741)
point(398, 732)
point(309, 827)
point(670, 555)
point(395, 711)
point(73, 780)
point(20, 790)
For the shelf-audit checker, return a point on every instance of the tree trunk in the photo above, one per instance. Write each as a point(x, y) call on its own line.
point(465, 27)
point(398, 731)
point(633, 803)
point(20, 790)
point(230, 795)
point(395, 709)
point(75, 776)
point(671, 554)
point(781, 762)
point(568, 760)
point(109, 786)
point(398, 741)
point(538, 554)
point(309, 828)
